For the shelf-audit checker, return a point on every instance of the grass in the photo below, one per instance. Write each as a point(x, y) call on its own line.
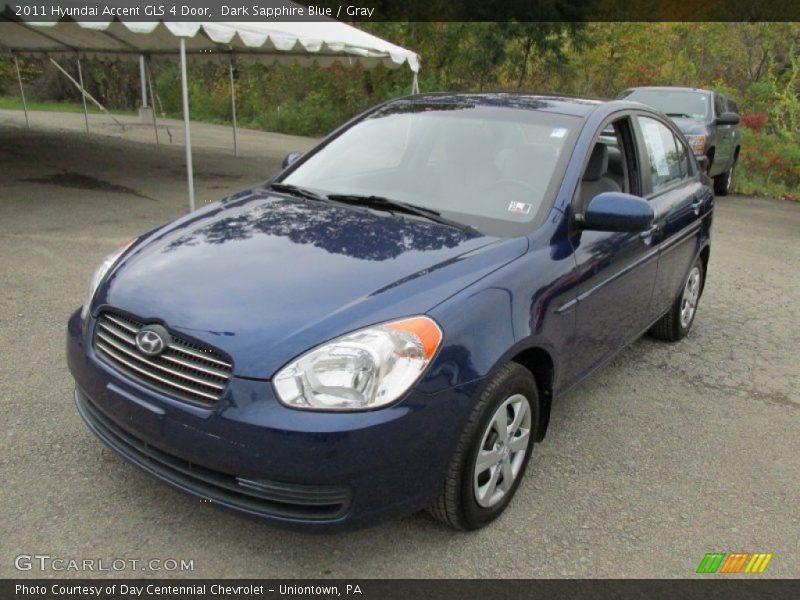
point(753, 185)
point(15, 103)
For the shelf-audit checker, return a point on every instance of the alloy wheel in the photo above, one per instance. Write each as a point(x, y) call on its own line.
point(502, 451)
point(691, 294)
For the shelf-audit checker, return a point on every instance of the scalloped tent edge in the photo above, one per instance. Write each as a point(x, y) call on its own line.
point(313, 42)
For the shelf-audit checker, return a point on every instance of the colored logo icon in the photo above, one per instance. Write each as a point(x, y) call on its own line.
point(734, 562)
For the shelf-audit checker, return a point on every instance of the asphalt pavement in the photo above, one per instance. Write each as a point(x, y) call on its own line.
point(669, 452)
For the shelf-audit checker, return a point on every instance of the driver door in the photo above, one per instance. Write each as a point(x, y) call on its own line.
point(617, 269)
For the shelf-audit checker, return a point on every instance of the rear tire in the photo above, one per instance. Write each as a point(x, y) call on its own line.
point(492, 453)
point(723, 183)
point(674, 325)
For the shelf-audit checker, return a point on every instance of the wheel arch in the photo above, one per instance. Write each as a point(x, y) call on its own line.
point(705, 254)
point(710, 156)
point(540, 363)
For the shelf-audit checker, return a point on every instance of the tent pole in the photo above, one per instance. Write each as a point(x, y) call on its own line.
point(83, 95)
point(186, 129)
point(152, 100)
point(22, 93)
point(143, 81)
point(87, 95)
point(233, 104)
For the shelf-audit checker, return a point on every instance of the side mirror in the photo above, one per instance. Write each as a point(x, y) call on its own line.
point(703, 163)
point(615, 211)
point(290, 158)
point(728, 118)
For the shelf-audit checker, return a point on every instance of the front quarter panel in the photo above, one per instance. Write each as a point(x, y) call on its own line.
point(527, 303)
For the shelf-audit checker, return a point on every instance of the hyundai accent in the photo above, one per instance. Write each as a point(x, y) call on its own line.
point(384, 325)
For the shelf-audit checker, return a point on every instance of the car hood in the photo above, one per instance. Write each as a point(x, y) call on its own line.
point(690, 126)
point(264, 277)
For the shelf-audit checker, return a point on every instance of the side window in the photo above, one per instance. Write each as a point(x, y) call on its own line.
point(611, 166)
point(668, 159)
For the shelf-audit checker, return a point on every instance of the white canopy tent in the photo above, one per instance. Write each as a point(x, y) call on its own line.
point(313, 42)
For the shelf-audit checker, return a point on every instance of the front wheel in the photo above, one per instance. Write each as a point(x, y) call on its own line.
point(493, 451)
point(723, 183)
point(678, 321)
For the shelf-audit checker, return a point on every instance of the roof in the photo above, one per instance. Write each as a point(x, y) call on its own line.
point(568, 105)
point(662, 88)
point(316, 42)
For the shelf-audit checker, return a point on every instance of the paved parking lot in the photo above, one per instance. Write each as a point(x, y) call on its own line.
point(669, 452)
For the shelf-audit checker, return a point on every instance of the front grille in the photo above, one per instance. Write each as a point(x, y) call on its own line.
point(185, 370)
point(265, 498)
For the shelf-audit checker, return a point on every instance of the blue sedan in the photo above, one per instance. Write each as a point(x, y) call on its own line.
point(384, 325)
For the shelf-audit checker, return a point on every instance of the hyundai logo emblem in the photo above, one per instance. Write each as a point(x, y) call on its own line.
point(152, 340)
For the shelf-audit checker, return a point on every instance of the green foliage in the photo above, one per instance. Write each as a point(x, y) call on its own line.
point(15, 103)
point(785, 110)
point(769, 165)
point(281, 98)
point(29, 70)
point(116, 82)
point(480, 56)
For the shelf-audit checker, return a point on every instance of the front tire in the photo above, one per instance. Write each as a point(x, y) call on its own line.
point(674, 325)
point(492, 453)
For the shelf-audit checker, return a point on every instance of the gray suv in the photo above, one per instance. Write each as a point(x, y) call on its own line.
point(709, 120)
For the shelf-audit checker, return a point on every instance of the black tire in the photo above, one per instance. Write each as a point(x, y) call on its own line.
point(456, 504)
point(671, 327)
point(723, 183)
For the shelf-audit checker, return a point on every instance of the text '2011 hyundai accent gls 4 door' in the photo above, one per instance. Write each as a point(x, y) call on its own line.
point(383, 326)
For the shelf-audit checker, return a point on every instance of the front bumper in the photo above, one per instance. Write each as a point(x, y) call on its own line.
point(253, 455)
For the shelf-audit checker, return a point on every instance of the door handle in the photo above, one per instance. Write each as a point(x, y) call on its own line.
point(697, 204)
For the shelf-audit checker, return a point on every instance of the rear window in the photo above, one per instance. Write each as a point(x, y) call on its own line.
point(667, 156)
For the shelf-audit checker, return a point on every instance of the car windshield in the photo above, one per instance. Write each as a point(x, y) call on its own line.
point(495, 169)
point(674, 103)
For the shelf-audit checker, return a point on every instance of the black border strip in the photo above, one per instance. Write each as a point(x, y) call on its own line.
point(423, 10)
point(710, 588)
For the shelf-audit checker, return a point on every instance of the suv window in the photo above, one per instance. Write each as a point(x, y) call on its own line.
point(667, 155)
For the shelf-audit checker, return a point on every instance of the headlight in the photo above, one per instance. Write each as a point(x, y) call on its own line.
point(100, 273)
point(698, 143)
point(366, 369)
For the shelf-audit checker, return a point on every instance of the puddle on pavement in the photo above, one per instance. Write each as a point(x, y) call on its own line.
point(69, 179)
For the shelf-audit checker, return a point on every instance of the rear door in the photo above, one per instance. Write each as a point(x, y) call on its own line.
point(672, 184)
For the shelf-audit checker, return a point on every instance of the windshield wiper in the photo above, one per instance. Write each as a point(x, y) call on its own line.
point(683, 115)
point(294, 190)
point(382, 203)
